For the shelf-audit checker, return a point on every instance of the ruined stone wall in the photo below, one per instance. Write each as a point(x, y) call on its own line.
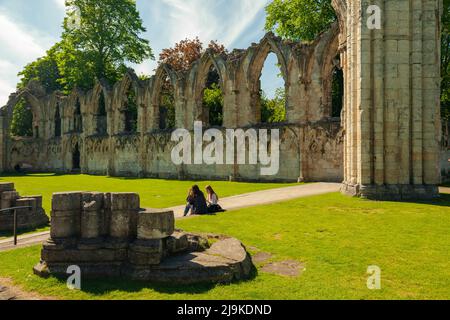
point(26, 218)
point(311, 141)
point(391, 113)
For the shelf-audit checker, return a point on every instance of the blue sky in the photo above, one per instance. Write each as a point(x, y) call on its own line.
point(29, 28)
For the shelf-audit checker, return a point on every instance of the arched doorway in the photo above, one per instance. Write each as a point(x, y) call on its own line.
point(76, 159)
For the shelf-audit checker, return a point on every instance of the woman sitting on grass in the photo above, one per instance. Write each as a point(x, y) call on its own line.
point(196, 202)
point(213, 201)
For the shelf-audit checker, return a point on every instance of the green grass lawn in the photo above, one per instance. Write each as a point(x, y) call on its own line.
point(336, 237)
point(154, 193)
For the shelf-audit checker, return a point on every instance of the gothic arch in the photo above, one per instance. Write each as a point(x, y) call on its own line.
point(206, 64)
point(37, 111)
point(269, 44)
point(162, 73)
point(127, 116)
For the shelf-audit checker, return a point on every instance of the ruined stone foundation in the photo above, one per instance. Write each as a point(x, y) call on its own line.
point(26, 218)
point(109, 235)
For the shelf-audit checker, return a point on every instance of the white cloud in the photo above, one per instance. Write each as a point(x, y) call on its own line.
point(208, 21)
point(20, 45)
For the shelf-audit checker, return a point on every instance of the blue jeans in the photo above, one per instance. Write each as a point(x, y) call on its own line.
point(187, 209)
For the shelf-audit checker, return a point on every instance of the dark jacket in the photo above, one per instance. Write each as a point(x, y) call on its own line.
point(198, 203)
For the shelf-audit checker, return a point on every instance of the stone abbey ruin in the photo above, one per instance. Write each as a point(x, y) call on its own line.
point(31, 217)
point(108, 235)
point(386, 143)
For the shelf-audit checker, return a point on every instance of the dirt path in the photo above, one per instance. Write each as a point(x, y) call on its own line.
point(231, 203)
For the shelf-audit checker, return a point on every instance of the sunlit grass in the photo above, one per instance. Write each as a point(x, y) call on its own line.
point(336, 237)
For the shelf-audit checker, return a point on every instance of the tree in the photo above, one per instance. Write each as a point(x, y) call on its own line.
point(273, 110)
point(45, 70)
point(180, 58)
point(213, 101)
point(299, 19)
point(186, 52)
point(99, 37)
point(22, 120)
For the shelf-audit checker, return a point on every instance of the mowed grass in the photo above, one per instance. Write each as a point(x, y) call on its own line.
point(153, 193)
point(335, 237)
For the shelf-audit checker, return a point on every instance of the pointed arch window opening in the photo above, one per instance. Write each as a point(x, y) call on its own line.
point(167, 117)
point(273, 108)
point(78, 118)
point(57, 121)
point(212, 99)
point(130, 111)
point(102, 116)
point(22, 120)
point(337, 89)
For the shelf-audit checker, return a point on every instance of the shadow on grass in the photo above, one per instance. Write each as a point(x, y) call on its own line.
point(99, 287)
point(442, 201)
point(32, 174)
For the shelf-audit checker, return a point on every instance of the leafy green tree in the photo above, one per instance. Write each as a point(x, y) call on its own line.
point(213, 101)
point(22, 120)
point(99, 37)
point(273, 110)
point(45, 70)
point(299, 19)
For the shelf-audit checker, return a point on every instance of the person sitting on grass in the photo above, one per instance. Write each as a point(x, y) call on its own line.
point(196, 202)
point(188, 208)
point(213, 201)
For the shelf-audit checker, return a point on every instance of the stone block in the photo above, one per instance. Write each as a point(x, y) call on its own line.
point(27, 202)
point(92, 201)
point(125, 201)
point(91, 224)
point(66, 201)
point(123, 224)
point(65, 224)
point(38, 200)
point(6, 186)
point(155, 224)
point(8, 199)
point(177, 242)
point(148, 252)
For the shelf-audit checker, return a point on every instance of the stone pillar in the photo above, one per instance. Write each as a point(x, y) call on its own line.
point(92, 217)
point(124, 211)
point(153, 226)
point(391, 113)
point(65, 215)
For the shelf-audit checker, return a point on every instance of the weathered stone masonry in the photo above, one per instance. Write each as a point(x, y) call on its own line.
point(389, 145)
point(26, 218)
point(108, 235)
point(311, 147)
